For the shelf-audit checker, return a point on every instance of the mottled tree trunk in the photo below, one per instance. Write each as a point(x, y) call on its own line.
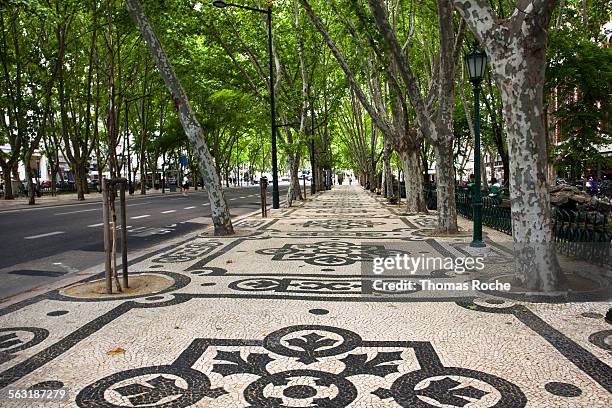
point(413, 179)
point(388, 182)
point(439, 133)
point(8, 186)
point(220, 210)
point(445, 184)
point(143, 167)
point(85, 168)
point(373, 179)
point(295, 179)
point(78, 181)
point(483, 172)
point(294, 192)
point(536, 262)
point(517, 50)
point(320, 186)
point(29, 173)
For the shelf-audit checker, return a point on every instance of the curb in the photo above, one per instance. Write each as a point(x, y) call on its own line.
point(97, 269)
point(92, 200)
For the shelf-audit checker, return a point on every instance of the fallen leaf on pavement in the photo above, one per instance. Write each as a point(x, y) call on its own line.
point(115, 351)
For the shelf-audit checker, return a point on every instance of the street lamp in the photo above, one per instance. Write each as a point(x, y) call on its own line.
point(268, 12)
point(476, 62)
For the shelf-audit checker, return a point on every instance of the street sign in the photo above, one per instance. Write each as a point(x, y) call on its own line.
point(184, 161)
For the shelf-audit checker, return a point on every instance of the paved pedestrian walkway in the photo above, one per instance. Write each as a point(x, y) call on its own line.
point(289, 312)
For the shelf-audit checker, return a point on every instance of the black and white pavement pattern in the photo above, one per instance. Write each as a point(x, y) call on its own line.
point(282, 315)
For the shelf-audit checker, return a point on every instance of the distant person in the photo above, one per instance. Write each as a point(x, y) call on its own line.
point(495, 188)
point(350, 180)
point(471, 184)
point(594, 187)
point(185, 185)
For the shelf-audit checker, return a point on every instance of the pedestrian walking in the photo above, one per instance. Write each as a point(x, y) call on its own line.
point(185, 185)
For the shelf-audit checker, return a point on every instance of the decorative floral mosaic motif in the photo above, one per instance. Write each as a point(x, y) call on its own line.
point(303, 366)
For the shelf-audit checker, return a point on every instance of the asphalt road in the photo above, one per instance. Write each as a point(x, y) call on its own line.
point(42, 244)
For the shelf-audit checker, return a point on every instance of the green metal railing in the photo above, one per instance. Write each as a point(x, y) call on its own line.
point(583, 235)
point(579, 234)
point(494, 214)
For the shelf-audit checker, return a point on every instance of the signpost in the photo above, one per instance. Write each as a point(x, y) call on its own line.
point(263, 188)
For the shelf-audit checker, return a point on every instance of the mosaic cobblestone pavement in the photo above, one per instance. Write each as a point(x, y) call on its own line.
point(283, 315)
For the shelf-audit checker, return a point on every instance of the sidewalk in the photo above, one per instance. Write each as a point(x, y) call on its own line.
point(286, 314)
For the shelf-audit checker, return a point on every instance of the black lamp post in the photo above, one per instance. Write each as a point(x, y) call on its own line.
point(476, 62)
point(268, 12)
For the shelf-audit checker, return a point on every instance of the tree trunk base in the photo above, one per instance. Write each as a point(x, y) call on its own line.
point(223, 231)
point(445, 232)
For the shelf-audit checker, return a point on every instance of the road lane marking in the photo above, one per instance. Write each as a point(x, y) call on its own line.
point(67, 268)
point(96, 225)
point(168, 212)
point(139, 217)
point(188, 208)
point(79, 211)
point(94, 201)
point(49, 234)
point(133, 205)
